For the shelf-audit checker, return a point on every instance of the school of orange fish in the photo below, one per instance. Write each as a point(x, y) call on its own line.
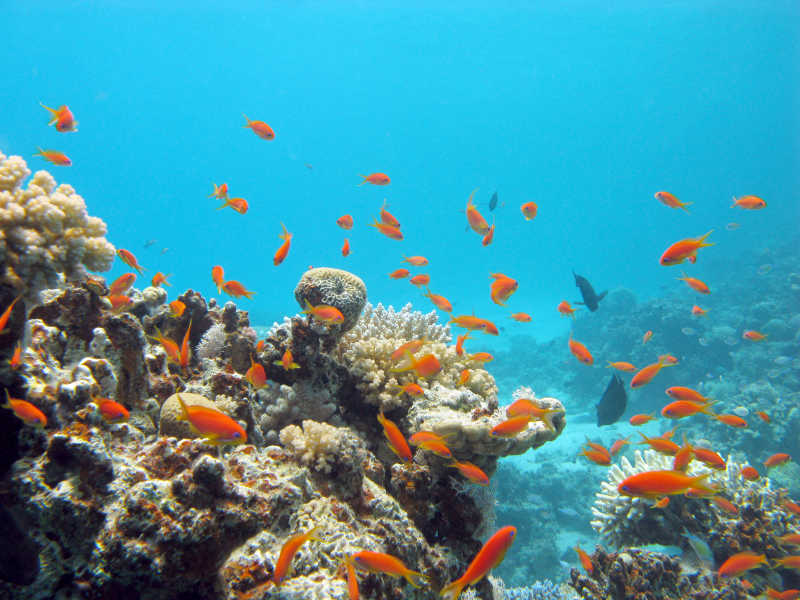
point(218, 428)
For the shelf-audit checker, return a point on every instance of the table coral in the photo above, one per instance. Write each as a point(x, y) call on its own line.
point(46, 233)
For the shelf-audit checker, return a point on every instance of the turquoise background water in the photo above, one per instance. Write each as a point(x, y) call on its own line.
point(584, 108)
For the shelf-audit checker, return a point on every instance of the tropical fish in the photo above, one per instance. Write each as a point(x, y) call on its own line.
point(460, 343)
point(352, 580)
point(7, 315)
point(426, 366)
point(288, 550)
point(185, 353)
point(493, 202)
point(777, 459)
point(660, 444)
point(345, 222)
point(440, 302)
point(725, 505)
point(389, 231)
point(480, 357)
point(586, 560)
point(774, 594)
point(218, 277)
point(170, 347)
point(472, 472)
point(487, 239)
point(395, 439)
point(488, 557)
point(646, 374)
point(463, 378)
point(129, 259)
point(215, 426)
point(669, 200)
point(525, 406)
point(16, 358)
point(346, 247)
point(474, 218)
point(376, 179)
point(511, 426)
point(663, 503)
point(668, 359)
point(176, 308)
point(470, 322)
point(220, 191)
point(709, 458)
point(412, 389)
point(281, 253)
point(732, 420)
point(694, 283)
point(698, 312)
point(621, 365)
point(502, 288)
point(413, 346)
point(763, 416)
point(565, 309)
point(55, 157)
point(121, 284)
point(529, 210)
point(580, 351)
point(399, 274)
point(636, 420)
point(522, 317)
point(256, 375)
point(701, 548)
point(420, 280)
point(684, 393)
point(388, 218)
point(119, 302)
point(617, 446)
point(753, 336)
point(654, 484)
point(740, 563)
point(286, 361)
point(613, 402)
point(417, 261)
point(750, 473)
point(25, 411)
point(685, 408)
point(260, 128)
point(329, 315)
point(683, 250)
point(599, 456)
point(378, 562)
point(591, 300)
point(748, 202)
point(112, 412)
point(236, 289)
point(62, 118)
point(422, 437)
point(160, 279)
point(646, 337)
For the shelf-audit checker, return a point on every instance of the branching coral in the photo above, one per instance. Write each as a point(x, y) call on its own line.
point(45, 231)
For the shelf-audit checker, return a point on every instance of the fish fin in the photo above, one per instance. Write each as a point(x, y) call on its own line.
point(415, 579)
point(602, 295)
point(453, 590)
point(246, 119)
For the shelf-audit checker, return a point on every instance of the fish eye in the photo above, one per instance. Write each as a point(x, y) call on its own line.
point(236, 434)
point(625, 488)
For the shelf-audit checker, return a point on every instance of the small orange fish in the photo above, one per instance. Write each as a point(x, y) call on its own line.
point(600, 457)
point(669, 200)
point(399, 274)
point(186, 350)
point(215, 426)
point(511, 426)
point(129, 259)
point(16, 359)
point(480, 357)
point(792, 507)
point(346, 247)
point(260, 345)
point(522, 317)
point(474, 218)
point(55, 157)
point(529, 209)
point(417, 261)
point(395, 439)
point(565, 309)
point(438, 448)
point(25, 411)
point(646, 337)
point(112, 412)
point(685, 408)
point(176, 308)
point(463, 378)
point(420, 280)
point(487, 239)
point(646, 374)
point(376, 179)
point(439, 302)
point(427, 436)
point(330, 315)
point(586, 560)
point(413, 346)
point(580, 351)
point(389, 231)
point(502, 288)
point(763, 416)
point(288, 550)
point(777, 459)
point(281, 253)
point(122, 284)
point(709, 458)
point(740, 563)
point(426, 366)
point(683, 456)
point(749, 202)
point(655, 484)
point(236, 289)
point(388, 218)
point(170, 347)
point(286, 361)
point(636, 420)
point(487, 558)
point(345, 221)
point(218, 277)
point(160, 279)
point(725, 505)
point(62, 118)
point(260, 128)
point(732, 420)
point(621, 365)
point(774, 594)
point(472, 472)
point(352, 580)
point(240, 205)
point(668, 359)
point(688, 394)
point(753, 336)
point(119, 303)
point(663, 503)
point(791, 539)
point(412, 389)
point(697, 285)
point(378, 562)
point(524, 406)
point(617, 446)
point(460, 343)
point(660, 444)
point(683, 250)
point(7, 315)
point(220, 191)
point(750, 473)
point(698, 312)
point(256, 376)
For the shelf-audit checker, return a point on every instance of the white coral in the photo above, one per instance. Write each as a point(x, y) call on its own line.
point(316, 444)
point(212, 342)
point(408, 324)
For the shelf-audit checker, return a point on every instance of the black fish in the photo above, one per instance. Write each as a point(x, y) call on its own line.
point(493, 201)
point(612, 405)
point(590, 298)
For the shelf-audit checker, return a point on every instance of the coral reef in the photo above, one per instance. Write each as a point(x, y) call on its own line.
point(333, 287)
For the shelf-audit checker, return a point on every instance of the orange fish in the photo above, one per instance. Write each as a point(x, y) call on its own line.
point(732, 420)
point(413, 346)
point(394, 439)
point(565, 309)
point(422, 437)
point(463, 379)
point(112, 412)
point(763, 416)
point(412, 389)
point(685, 408)
point(25, 411)
point(420, 280)
point(160, 279)
point(655, 484)
point(286, 361)
point(488, 557)
point(438, 448)
point(725, 505)
point(256, 376)
point(529, 209)
point(426, 366)
point(488, 327)
point(440, 302)
point(220, 191)
point(580, 351)
point(186, 351)
point(697, 285)
point(352, 580)
point(753, 336)
point(346, 247)
point(288, 550)
point(472, 472)
point(218, 277)
point(121, 284)
point(791, 539)
point(236, 289)
point(698, 312)
point(388, 218)
point(683, 250)
point(688, 394)
point(683, 456)
point(586, 560)
point(774, 594)
point(345, 222)
point(668, 359)
point(660, 444)
point(376, 179)
point(176, 308)
point(599, 457)
point(260, 128)
point(487, 239)
point(511, 426)
point(281, 253)
point(260, 345)
point(417, 261)
point(777, 459)
point(378, 562)
point(740, 563)
point(791, 506)
point(55, 157)
point(524, 406)
point(215, 426)
point(16, 359)
point(522, 317)
point(460, 343)
point(389, 231)
point(240, 205)
point(129, 259)
point(480, 357)
point(617, 446)
point(646, 374)
point(646, 337)
point(709, 458)
point(622, 366)
point(119, 302)
point(750, 473)
point(330, 315)
point(62, 118)
point(663, 503)
point(474, 218)
point(170, 347)
point(749, 202)
point(399, 274)
point(502, 288)
point(7, 315)
point(669, 200)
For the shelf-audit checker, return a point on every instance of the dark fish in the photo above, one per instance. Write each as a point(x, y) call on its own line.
point(149, 243)
point(590, 298)
point(493, 201)
point(612, 405)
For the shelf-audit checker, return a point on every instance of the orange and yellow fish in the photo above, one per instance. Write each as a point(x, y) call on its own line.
point(413, 346)
point(699, 312)
point(25, 411)
point(580, 351)
point(346, 247)
point(236, 289)
point(697, 285)
point(777, 459)
point(287, 553)
point(330, 315)
point(439, 302)
point(260, 128)
point(683, 250)
point(388, 218)
point(732, 420)
point(525, 406)
point(586, 560)
point(529, 210)
point(176, 308)
point(121, 284)
point(502, 288)
point(487, 558)
point(685, 408)
point(160, 279)
point(655, 484)
point(395, 439)
point(375, 179)
point(399, 274)
point(669, 200)
point(129, 259)
point(472, 472)
point(112, 412)
point(345, 221)
point(378, 562)
point(220, 191)
point(637, 420)
point(474, 218)
point(621, 365)
point(511, 426)
point(753, 336)
point(287, 361)
point(565, 309)
point(522, 317)
point(749, 202)
point(255, 375)
point(240, 205)
point(426, 366)
point(55, 157)
point(7, 315)
point(62, 118)
point(218, 277)
point(283, 251)
point(420, 280)
point(393, 233)
point(646, 374)
point(416, 261)
point(740, 563)
point(215, 426)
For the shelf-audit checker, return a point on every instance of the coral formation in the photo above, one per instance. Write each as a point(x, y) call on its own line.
point(333, 287)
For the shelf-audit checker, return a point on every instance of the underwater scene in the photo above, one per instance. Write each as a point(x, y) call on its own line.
point(400, 300)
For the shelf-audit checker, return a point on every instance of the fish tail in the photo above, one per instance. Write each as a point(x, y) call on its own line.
point(734, 202)
point(285, 235)
point(184, 410)
point(684, 205)
point(702, 240)
point(365, 179)
point(415, 578)
point(224, 204)
point(452, 590)
point(246, 119)
point(699, 483)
